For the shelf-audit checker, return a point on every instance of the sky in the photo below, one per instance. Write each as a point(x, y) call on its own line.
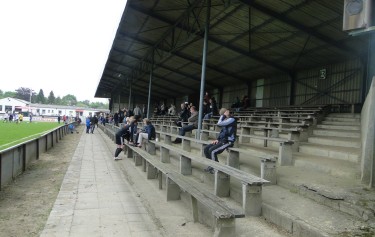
point(57, 45)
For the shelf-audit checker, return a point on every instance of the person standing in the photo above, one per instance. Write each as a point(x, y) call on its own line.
point(88, 123)
point(137, 113)
point(6, 117)
point(122, 134)
point(225, 139)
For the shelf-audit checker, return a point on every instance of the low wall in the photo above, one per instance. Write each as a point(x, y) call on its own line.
point(14, 160)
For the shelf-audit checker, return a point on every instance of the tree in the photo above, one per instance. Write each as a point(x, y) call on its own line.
point(40, 97)
point(23, 93)
point(58, 101)
point(86, 102)
point(69, 100)
point(51, 98)
point(9, 94)
point(1, 94)
point(98, 105)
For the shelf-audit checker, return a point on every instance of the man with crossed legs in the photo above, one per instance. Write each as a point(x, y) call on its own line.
point(226, 138)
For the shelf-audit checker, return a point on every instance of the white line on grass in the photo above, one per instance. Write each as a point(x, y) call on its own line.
point(23, 139)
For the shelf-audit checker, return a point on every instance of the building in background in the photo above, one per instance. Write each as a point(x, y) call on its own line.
point(13, 105)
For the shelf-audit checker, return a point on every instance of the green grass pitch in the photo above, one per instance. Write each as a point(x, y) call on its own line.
point(12, 134)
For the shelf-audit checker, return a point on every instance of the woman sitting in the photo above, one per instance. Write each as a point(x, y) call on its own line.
point(148, 132)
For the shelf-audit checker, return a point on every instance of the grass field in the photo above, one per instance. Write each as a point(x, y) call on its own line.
point(11, 133)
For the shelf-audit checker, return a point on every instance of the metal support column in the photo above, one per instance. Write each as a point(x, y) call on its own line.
point(149, 88)
point(130, 94)
point(119, 101)
point(292, 93)
point(204, 60)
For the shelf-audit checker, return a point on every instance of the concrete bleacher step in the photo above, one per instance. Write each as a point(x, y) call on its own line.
point(333, 167)
point(334, 152)
point(344, 115)
point(344, 195)
point(304, 217)
point(340, 123)
point(342, 119)
point(335, 141)
point(336, 133)
point(339, 127)
point(296, 214)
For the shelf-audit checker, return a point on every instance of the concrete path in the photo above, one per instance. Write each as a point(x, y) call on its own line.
point(95, 199)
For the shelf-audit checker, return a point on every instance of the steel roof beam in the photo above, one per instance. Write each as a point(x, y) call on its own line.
point(295, 24)
point(155, 76)
point(159, 87)
point(188, 58)
point(134, 86)
point(213, 39)
point(189, 76)
point(149, 54)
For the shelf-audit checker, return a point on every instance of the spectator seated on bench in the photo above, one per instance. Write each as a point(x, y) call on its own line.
point(148, 132)
point(183, 115)
point(226, 138)
point(192, 124)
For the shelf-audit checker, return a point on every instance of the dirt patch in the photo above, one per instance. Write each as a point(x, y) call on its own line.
point(25, 204)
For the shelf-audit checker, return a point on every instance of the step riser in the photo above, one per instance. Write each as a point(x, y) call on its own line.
point(338, 205)
point(334, 171)
point(340, 123)
point(289, 223)
point(336, 133)
point(331, 142)
point(337, 127)
point(354, 120)
point(329, 154)
point(344, 115)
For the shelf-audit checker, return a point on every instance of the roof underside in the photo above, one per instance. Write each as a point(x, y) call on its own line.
point(247, 40)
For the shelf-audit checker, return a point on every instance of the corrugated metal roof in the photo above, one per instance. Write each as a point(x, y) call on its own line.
point(247, 40)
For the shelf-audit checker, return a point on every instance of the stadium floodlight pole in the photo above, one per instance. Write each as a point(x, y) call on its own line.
point(31, 92)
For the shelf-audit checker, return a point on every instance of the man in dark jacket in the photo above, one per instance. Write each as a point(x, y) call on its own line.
point(183, 115)
point(192, 124)
point(225, 139)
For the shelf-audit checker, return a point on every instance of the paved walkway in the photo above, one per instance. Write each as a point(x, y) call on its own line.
point(95, 199)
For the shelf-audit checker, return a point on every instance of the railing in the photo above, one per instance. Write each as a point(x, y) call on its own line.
point(14, 160)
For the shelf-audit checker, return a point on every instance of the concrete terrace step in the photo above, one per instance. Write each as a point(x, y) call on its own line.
point(344, 195)
point(335, 152)
point(303, 217)
point(341, 123)
point(344, 115)
point(333, 167)
point(339, 127)
point(335, 141)
point(338, 119)
point(336, 133)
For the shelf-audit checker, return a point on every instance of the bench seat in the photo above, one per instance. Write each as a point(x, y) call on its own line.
point(176, 183)
point(251, 184)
